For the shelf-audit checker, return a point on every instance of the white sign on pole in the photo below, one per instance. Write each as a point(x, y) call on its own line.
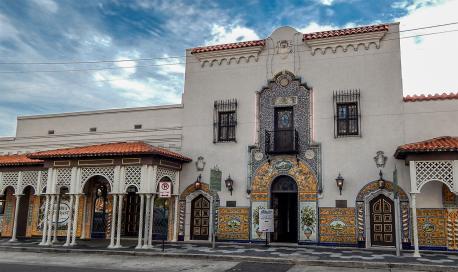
point(165, 189)
point(266, 220)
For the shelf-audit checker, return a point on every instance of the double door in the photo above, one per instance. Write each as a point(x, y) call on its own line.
point(382, 221)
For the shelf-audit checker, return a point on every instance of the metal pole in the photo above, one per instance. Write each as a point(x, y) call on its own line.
point(397, 212)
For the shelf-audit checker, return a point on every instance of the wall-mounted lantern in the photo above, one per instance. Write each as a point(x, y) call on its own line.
point(340, 182)
point(381, 181)
point(229, 184)
point(198, 183)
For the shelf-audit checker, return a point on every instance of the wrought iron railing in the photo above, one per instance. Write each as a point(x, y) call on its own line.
point(282, 142)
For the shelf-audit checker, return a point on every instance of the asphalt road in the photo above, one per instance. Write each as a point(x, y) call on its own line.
point(53, 262)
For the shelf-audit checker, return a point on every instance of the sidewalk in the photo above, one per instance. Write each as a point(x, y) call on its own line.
point(309, 255)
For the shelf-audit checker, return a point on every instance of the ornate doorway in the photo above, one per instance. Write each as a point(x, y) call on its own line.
point(285, 204)
point(200, 218)
point(382, 221)
point(98, 204)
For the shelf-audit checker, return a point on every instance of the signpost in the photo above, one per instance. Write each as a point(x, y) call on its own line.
point(397, 212)
point(266, 222)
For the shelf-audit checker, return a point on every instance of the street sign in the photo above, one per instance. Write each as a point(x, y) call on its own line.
point(165, 189)
point(266, 220)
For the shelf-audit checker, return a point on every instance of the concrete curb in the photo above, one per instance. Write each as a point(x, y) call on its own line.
point(328, 263)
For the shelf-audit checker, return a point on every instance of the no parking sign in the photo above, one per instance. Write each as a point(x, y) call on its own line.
point(165, 189)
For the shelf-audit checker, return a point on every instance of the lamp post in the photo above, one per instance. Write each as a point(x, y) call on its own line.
point(340, 182)
point(229, 184)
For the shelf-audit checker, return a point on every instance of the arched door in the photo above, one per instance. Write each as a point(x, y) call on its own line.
point(131, 212)
point(285, 205)
point(24, 205)
point(382, 221)
point(200, 218)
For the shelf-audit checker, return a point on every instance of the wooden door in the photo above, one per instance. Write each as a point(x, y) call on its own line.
point(284, 129)
point(131, 213)
point(382, 221)
point(200, 218)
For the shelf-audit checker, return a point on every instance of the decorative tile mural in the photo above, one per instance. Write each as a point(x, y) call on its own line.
point(10, 202)
point(308, 222)
point(337, 225)
point(233, 223)
point(432, 229)
point(452, 229)
point(255, 233)
point(448, 198)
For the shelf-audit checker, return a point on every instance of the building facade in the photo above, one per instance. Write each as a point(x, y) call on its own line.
point(314, 126)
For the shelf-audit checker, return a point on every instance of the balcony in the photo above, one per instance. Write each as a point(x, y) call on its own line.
point(282, 142)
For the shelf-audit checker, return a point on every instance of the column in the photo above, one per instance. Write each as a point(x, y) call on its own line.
point(140, 221)
point(113, 221)
point(69, 224)
point(51, 220)
point(147, 216)
point(118, 237)
point(56, 211)
point(413, 198)
point(16, 212)
point(83, 224)
point(75, 219)
point(175, 222)
point(151, 222)
point(45, 222)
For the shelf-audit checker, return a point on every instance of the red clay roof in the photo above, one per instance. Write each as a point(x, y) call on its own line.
point(308, 36)
point(344, 32)
point(227, 46)
point(18, 159)
point(440, 144)
point(430, 97)
point(111, 149)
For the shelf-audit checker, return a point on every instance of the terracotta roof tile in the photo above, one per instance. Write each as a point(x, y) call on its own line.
point(430, 97)
point(111, 149)
point(18, 159)
point(344, 32)
point(227, 46)
point(440, 144)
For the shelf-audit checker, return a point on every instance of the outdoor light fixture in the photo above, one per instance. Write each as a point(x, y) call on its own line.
point(340, 183)
point(229, 184)
point(381, 181)
point(198, 183)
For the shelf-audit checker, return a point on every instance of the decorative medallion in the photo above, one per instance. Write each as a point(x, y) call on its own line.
point(284, 48)
point(380, 159)
point(283, 165)
point(258, 156)
point(309, 154)
point(337, 225)
point(428, 227)
point(200, 163)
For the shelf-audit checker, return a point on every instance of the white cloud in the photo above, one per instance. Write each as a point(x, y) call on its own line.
point(326, 2)
point(231, 34)
point(47, 5)
point(429, 62)
point(315, 27)
point(170, 65)
point(7, 30)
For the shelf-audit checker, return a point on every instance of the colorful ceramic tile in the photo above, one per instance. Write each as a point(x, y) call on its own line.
point(255, 207)
point(452, 229)
point(337, 225)
point(233, 223)
point(308, 221)
point(432, 227)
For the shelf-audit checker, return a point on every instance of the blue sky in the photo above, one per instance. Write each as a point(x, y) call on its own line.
point(53, 31)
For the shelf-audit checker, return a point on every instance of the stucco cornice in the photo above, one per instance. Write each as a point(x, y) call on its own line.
point(365, 39)
point(230, 55)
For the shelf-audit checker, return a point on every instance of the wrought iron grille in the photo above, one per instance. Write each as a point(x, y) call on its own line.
point(282, 141)
point(225, 120)
point(347, 113)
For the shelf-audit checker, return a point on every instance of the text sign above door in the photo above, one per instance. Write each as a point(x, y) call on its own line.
point(165, 189)
point(266, 220)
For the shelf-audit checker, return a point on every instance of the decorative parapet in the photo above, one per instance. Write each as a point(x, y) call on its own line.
point(229, 55)
point(365, 39)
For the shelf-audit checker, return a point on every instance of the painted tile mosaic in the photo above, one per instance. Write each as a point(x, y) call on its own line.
point(337, 225)
point(452, 229)
point(432, 230)
point(233, 223)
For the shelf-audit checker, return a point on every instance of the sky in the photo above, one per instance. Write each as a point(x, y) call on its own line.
point(150, 32)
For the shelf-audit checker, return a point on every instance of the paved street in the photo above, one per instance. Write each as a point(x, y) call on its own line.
point(52, 262)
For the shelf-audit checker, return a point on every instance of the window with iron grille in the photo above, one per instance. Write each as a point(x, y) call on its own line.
point(347, 114)
point(225, 120)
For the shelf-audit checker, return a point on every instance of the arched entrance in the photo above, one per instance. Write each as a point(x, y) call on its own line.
point(382, 221)
point(284, 202)
point(200, 218)
point(131, 212)
point(161, 211)
point(98, 205)
point(24, 204)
